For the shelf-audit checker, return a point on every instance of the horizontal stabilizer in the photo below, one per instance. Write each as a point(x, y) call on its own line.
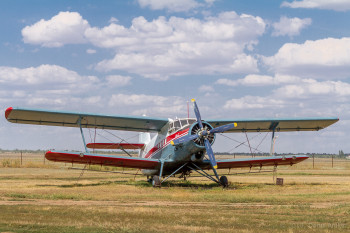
point(99, 159)
point(129, 146)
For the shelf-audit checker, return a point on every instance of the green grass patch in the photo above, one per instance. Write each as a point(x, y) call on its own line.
point(57, 196)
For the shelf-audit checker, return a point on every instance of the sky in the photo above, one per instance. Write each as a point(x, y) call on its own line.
point(238, 59)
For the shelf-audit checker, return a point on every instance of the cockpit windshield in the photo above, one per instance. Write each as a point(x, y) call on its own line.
point(180, 124)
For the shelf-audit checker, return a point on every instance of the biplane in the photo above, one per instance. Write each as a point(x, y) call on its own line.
point(178, 147)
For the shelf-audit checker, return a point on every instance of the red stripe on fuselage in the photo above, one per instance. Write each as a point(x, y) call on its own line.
point(168, 139)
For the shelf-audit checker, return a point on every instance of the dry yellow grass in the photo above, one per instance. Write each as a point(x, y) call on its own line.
point(52, 199)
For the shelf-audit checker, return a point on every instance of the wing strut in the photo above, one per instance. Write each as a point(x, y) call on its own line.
point(82, 134)
point(273, 128)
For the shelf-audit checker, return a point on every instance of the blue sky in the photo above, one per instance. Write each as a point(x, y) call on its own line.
point(239, 59)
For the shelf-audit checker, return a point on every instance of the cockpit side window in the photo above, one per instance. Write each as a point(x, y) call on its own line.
point(177, 124)
point(180, 124)
point(184, 122)
point(191, 121)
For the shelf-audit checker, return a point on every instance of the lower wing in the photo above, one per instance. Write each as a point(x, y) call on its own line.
point(109, 160)
point(257, 161)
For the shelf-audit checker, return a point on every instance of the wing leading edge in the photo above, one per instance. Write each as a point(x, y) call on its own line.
point(257, 161)
point(109, 160)
point(86, 120)
point(279, 125)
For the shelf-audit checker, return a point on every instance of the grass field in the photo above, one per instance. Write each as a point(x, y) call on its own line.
point(38, 197)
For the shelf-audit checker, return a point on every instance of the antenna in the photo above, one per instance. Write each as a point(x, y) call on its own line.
point(188, 109)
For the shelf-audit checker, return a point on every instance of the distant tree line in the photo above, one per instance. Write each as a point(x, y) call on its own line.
point(340, 154)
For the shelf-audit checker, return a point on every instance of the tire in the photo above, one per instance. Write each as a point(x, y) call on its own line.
point(224, 181)
point(156, 182)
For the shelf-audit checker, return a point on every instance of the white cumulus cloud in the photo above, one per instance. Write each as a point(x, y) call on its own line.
point(162, 47)
point(150, 105)
point(64, 28)
point(259, 80)
point(337, 5)
point(178, 46)
point(325, 58)
point(42, 75)
point(206, 88)
point(46, 85)
point(170, 5)
point(118, 80)
point(253, 102)
point(311, 88)
point(290, 26)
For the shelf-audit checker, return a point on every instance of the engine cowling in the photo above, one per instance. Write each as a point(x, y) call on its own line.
point(196, 129)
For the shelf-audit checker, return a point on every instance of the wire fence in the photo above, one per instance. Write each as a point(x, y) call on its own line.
point(37, 159)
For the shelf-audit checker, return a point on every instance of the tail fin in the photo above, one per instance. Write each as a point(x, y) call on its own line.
point(144, 138)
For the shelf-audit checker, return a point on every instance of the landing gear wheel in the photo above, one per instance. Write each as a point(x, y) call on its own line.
point(156, 182)
point(224, 181)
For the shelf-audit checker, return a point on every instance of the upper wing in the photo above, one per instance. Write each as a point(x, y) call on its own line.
point(257, 161)
point(109, 160)
point(282, 125)
point(87, 120)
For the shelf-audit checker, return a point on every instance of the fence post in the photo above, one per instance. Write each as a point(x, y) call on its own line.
point(332, 161)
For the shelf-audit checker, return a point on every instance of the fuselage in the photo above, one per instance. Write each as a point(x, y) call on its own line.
point(159, 147)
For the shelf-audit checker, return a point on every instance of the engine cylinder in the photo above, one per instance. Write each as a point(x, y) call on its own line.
point(196, 129)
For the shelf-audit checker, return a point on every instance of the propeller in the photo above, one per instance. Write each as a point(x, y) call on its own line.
point(203, 133)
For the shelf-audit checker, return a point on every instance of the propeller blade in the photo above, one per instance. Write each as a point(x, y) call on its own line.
point(223, 128)
point(198, 115)
point(183, 139)
point(210, 153)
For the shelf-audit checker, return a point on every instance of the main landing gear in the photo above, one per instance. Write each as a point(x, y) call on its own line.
point(224, 181)
point(156, 182)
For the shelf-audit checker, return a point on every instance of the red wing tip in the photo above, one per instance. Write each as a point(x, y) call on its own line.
point(48, 152)
point(8, 111)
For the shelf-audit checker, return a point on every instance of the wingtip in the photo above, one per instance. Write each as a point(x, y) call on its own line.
point(8, 111)
point(48, 153)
